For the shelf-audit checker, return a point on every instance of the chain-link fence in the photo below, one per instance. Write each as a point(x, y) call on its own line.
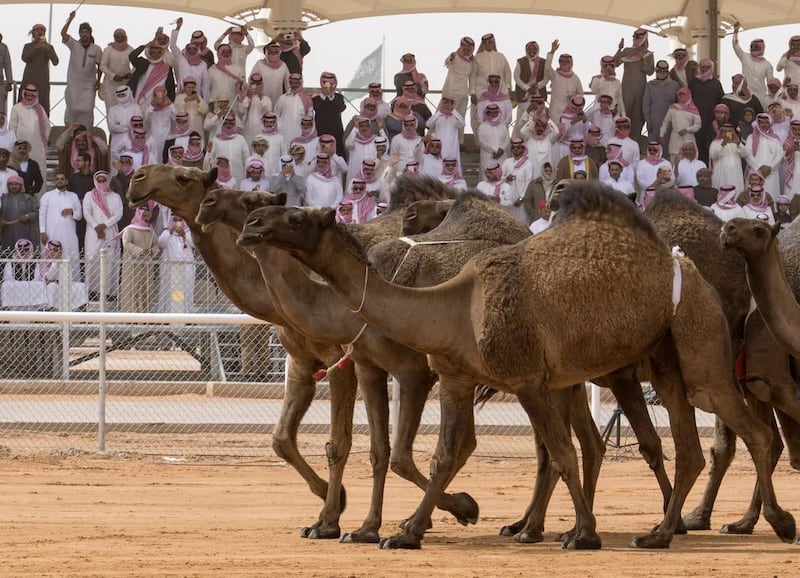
point(194, 387)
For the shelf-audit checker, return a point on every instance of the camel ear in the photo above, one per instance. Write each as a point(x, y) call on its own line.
point(251, 200)
point(327, 217)
point(443, 206)
point(280, 198)
point(210, 177)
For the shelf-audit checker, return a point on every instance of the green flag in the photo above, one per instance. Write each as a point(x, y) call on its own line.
point(369, 70)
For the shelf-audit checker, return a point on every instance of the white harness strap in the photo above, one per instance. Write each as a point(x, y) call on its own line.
point(677, 278)
point(411, 244)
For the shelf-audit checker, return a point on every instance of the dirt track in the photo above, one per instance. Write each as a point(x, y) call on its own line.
point(92, 515)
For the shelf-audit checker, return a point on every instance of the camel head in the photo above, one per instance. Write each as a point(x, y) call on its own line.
point(179, 188)
point(748, 236)
point(424, 216)
point(292, 229)
point(232, 207)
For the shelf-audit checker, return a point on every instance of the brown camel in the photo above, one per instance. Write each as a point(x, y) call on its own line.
point(479, 328)
point(682, 222)
point(238, 276)
point(767, 269)
point(423, 216)
point(376, 356)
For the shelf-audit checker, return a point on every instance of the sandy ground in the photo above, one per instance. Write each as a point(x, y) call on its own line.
point(153, 515)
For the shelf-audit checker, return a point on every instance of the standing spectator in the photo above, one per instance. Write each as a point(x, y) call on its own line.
point(759, 206)
point(140, 247)
point(539, 135)
point(323, 188)
point(517, 173)
point(289, 182)
point(199, 39)
point(252, 106)
point(255, 179)
point(739, 99)
point(192, 103)
point(6, 75)
point(755, 68)
point(688, 165)
point(308, 139)
point(682, 122)
point(272, 139)
point(493, 137)
point(224, 79)
point(763, 153)
point(273, 71)
point(120, 114)
point(726, 153)
point(375, 92)
point(431, 164)
point(790, 100)
point(494, 93)
point(781, 213)
point(177, 269)
point(602, 115)
point(7, 137)
point(159, 117)
point(659, 94)
point(293, 49)
point(75, 140)
point(607, 83)
point(617, 182)
point(361, 145)
point(26, 167)
point(83, 73)
point(456, 83)
point(451, 176)
point(60, 211)
point(638, 64)
point(408, 144)
point(179, 135)
point(363, 204)
point(707, 93)
point(37, 54)
point(494, 187)
point(409, 72)
point(239, 51)
point(188, 62)
point(789, 62)
point(19, 217)
point(150, 71)
point(102, 209)
point(327, 145)
point(418, 105)
point(684, 70)
point(225, 178)
point(487, 61)
point(229, 143)
point(791, 147)
point(447, 124)
point(116, 67)
point(291, 107)
point(648, 169)
point(529, 76)
point(30, 123)
point(328, 108)
point(120, 183)
point(564, 83)
point(194, 154)
point(576, 161)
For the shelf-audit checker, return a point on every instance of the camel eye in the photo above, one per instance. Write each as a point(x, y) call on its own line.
point(208, 202)
point(252, 222)
point(183, 180)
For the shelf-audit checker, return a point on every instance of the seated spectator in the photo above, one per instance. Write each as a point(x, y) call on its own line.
point(75, 140)
point(543, 222)
point(688, 165)
point(20, 288)
point(48, 271)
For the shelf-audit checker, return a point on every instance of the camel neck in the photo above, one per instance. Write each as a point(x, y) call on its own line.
point(776, 303)
point(417, 318)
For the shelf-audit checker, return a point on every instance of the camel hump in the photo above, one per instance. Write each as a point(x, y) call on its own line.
point(594, 201)
point(410, 188)
point(670, 203)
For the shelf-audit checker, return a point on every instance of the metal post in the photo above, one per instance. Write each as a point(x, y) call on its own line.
point(64, 296)
point(101, 396)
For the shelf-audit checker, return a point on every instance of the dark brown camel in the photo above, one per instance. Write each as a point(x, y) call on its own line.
point(503, 322)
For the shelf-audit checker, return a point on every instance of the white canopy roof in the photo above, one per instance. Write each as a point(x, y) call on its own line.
point(751, 13)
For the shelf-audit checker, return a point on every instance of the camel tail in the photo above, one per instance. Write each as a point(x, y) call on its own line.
point(483, 393)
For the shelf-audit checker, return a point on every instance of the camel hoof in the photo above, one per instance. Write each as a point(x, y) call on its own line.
point(400, 542)
point(528, 537)
point(512, 529)
point(360, 537)
point(651, 541)
point(741, 527)
point(592, 542)
point(565, 536)
point(320, 533)
point(782, 523)
point(467, 511)
point(696, 521)
point(304, 532)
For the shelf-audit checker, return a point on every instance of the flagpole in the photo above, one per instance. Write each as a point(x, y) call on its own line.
point(383, 61)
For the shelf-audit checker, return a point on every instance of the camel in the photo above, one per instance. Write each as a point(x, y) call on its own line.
point(479, 328)
point(238, 276)
point(375, 356)
point(423, 216)
point(428, 264)
point(682, 222)
point(768, 265)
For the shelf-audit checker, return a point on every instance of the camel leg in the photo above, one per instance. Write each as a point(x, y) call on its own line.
point(689, 462)
point(721, 456)
point(748, 521)
point(456, 443)
point(550, 411)
point(628, 392)
point(791, 433)
point(372, 382)
point(705, 363)
point(414, 390)
point(299, 394)
point(343, 398)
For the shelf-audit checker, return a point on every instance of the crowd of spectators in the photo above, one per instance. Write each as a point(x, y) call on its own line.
point(183, 102)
